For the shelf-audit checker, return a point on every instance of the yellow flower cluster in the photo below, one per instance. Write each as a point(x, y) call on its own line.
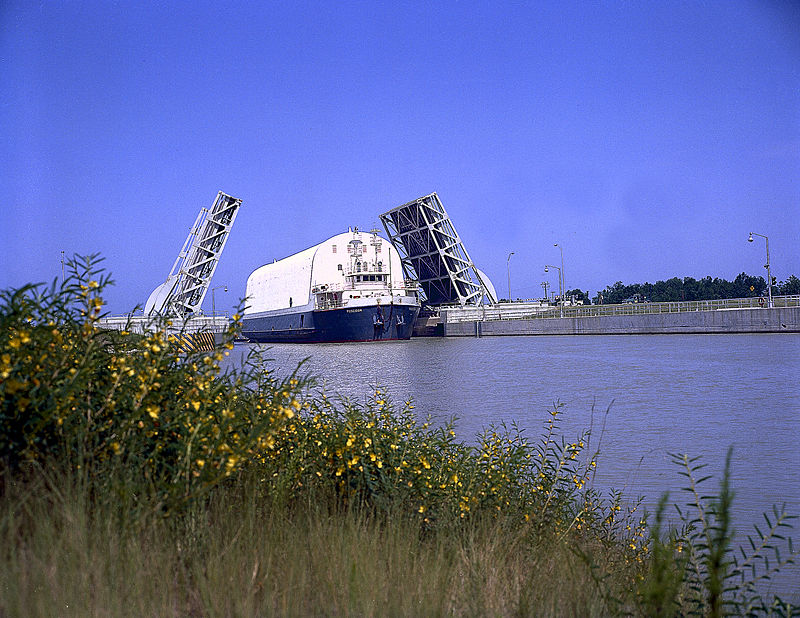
point(126, 401)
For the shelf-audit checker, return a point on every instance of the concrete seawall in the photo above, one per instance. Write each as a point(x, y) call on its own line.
point(777, 320)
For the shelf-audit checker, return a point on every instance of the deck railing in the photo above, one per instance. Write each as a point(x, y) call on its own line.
point(518, 311)
point(140, 324)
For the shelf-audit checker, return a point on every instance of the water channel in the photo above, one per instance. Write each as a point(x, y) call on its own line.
point(694, 394)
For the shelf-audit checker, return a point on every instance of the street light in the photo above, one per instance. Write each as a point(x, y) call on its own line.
point(563, 277)
point(769, 274)
point(213, 303)
point(560, 288)
point(508, 270)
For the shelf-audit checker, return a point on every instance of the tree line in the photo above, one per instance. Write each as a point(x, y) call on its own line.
point(688, 288)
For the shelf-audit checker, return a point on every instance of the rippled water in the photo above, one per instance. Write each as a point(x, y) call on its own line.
point(694, 394)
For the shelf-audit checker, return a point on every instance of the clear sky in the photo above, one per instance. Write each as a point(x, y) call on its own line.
point(648, 138)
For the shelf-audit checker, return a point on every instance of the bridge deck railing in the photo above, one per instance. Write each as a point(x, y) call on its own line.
point(517, 311)
point(140, 324)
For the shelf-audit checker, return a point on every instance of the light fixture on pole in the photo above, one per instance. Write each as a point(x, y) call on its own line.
point(213, 303)
point(769, 274)
point(563, 277)
point(508, 270)
point(560, 288)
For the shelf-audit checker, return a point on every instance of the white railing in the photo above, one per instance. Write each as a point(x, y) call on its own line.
point(408, 286)
point(518, 311)
point(141, 324)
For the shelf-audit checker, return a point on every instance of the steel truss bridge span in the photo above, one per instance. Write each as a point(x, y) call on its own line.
point(432, 253)
point(188, 281)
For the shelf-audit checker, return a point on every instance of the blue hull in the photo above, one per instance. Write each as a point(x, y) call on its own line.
point(332, 325)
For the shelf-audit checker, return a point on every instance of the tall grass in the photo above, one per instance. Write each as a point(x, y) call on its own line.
point(136, 480)
point(244, 556)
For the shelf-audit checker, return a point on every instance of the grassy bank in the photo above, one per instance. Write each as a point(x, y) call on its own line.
point(138, 480)
point(241, 554)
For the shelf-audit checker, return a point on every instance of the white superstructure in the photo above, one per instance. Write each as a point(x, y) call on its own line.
point(352, 268)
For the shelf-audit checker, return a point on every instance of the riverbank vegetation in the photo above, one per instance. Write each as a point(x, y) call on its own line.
point(688, 288)
point(138, 480)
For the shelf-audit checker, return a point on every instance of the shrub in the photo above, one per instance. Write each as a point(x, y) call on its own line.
point(129, 413)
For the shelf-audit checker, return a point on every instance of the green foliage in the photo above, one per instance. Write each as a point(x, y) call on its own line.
point(718, 580)
point(130, 414)
point(790, 287)
point(381, 456)
point(688, 288)
point(659, 591)
point(578, 295)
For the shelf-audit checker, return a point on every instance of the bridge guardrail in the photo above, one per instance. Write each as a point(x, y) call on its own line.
point(140, 324)
point(510, 311)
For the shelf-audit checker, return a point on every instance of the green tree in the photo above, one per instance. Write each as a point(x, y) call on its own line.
point(688, 288)
point(579, 295)
point(790, 287)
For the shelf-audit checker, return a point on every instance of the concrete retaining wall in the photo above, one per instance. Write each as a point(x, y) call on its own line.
point(777, 320)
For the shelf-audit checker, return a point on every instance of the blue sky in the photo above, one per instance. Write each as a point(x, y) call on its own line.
point(648, 138)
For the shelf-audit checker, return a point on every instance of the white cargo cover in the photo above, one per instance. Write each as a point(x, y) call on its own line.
point(289, 282)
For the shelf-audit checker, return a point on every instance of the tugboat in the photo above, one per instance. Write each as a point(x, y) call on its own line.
point(350, 287)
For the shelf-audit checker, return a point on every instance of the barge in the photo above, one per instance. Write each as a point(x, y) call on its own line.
point(350, 287)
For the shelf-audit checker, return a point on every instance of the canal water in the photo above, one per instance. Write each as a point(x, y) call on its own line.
point(645, 396)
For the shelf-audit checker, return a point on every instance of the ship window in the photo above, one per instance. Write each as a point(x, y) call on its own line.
point(334, 248)
point(339, 267)
point(364, 249)
point(380, 265)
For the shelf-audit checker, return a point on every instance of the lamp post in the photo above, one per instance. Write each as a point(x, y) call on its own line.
point(563, 277)
point(769, 274)
point(508, 270)
point(213, 303)
point(560, 288)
